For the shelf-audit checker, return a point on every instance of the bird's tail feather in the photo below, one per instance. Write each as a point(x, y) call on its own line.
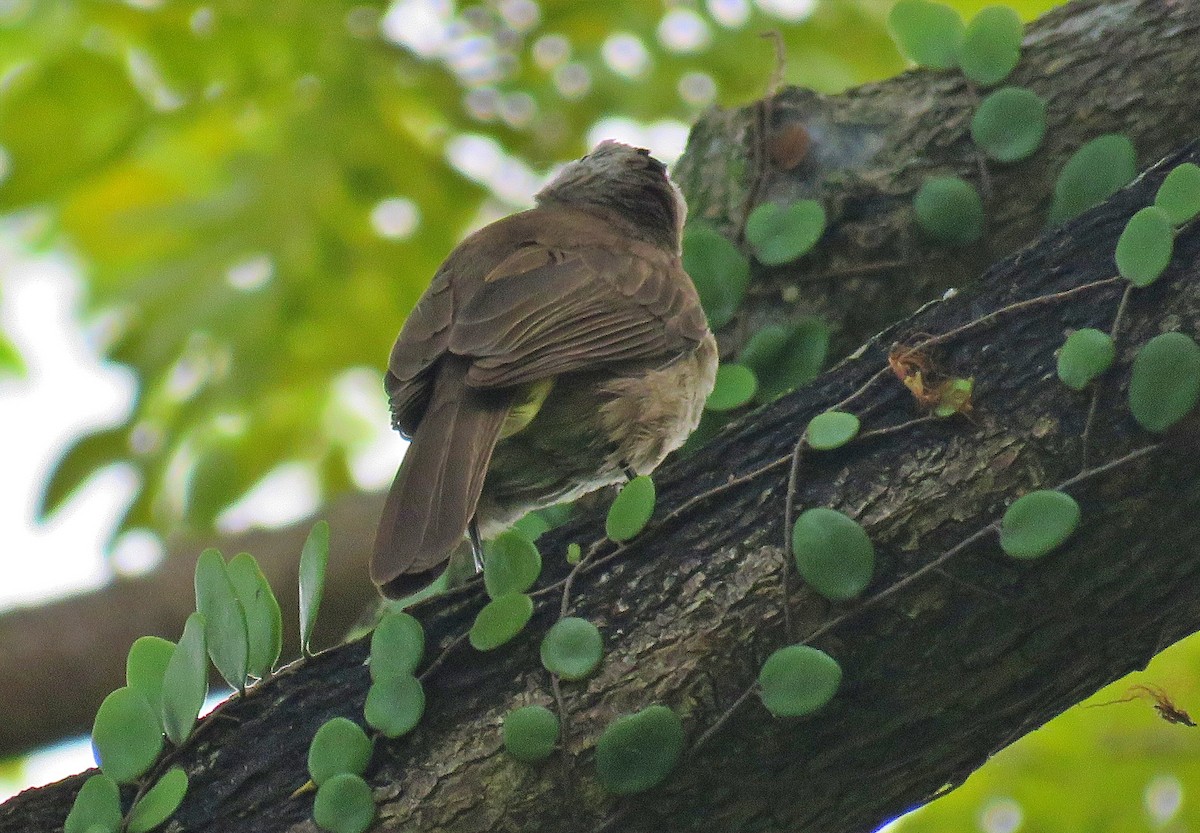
point(437, 487)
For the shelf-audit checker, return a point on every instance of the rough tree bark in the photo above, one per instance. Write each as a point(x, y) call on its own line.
point(1127, 66)
point(945, 661)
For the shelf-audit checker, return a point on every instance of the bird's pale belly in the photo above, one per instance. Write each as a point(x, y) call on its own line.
point(590, 428)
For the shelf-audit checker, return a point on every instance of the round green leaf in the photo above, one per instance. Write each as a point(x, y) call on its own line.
point(574, 553)
point(344, 805)
point(720, 272)
point(572, 648)
point(1165, 381)
point(340, 745)
point(929, 34)
point(532, 525)
point(314, 560)
point(185, 682)
point(264, 621)
point(1085, 355)
point(831, 429)
point(146, 665)
point(395, 704)
point(397, 645)
point(1093, 174)
point(512, 565)
point(126, 736)
point(224, 618)
point(784, 358)
point(949, 210)
point(991, 45)
point(500, 620)
point(530, 733)
point(159, 802)
point(798, 680)
point(1179, 194)
point(833, 553)
point(637, 751)
point(631, 509)
point(782, 233)
point(97, 805)
point(1037, 523)
point(1145, 246)
point(735, 386)
point(1009, 124)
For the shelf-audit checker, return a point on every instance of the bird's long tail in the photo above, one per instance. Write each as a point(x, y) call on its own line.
point(437, 487)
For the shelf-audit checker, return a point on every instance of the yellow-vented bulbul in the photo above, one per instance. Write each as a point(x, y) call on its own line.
point(555, 352)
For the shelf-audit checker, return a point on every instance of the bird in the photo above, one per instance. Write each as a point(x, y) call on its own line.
point(556, 351)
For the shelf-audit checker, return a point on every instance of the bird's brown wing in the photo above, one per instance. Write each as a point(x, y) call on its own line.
point(408, 383)
point(547, 311)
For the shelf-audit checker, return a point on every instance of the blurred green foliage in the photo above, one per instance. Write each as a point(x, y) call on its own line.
point(257, 192)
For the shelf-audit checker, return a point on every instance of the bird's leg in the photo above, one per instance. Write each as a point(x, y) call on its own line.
point(630, 474)
point(476, 544)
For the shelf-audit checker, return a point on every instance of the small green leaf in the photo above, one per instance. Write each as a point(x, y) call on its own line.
point(783, 233)
point(340, 745)
point(638, 751)
point(949, 210)
point(185, 682)
point(314, 559)
point(500, 620)
point(1085, 355)
point(572, 648)
point(159, 802)
point(784, 358)
point(530, 733)
point(798, 680)
point(264, 621)
point(1179, 194)
point(395, 704)
point(833, 553)
point(929, 34)
point(1165, 381)
point(224, 618)
point(631, 509)
point(720, 272)
point(831, 429)
point(97, 806)
point(146, 665)
point(126, 736)
point(1037, 523)
point(1145, 246)
point(574, 553)
point(735, 386)
point(1093, 174)
point(344, 805)
point(1010, 124)
point(397, 645)
point(991, 45)
point(512, 565)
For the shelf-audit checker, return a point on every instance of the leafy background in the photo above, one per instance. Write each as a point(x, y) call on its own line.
point(255, 193)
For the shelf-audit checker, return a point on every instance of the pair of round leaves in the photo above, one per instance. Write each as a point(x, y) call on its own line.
point(784, 358)
point(929, 34)
point(396, 699)
point(949, 210)
point(991, 45)
point(1085, 355)
point(1010, 124)
point(782, 233)
point(97, 806)
point(1179, 194)
point(530, 733)
point(831, 430)
point(798, 680)
point(344, 804)
point(1093, 174)
point(1037, 523)
point(572, 648)
point(639, 750)
point(720, 272)
point(1145, 246)
point(512, 565)
point(833, 553)
point(631, 509)
point(1165, 381)
point(735, 386)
